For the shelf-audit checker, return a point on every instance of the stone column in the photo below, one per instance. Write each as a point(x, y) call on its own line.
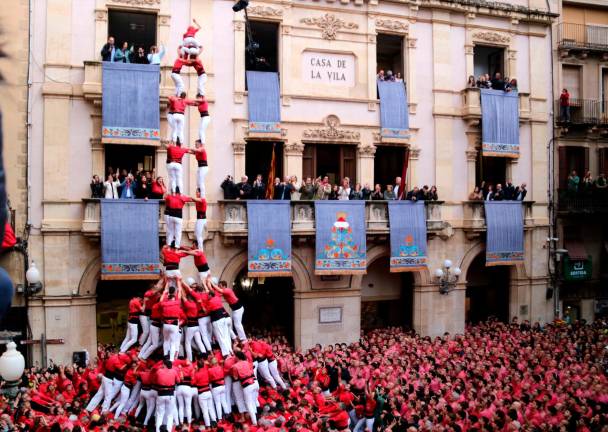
point(239, 61)
point(371, 59)
point(365, 164)
point(293, 159)
point(471, 168)
point(98, 159)
point(101, 26)
point(435, 313)
point(412, 97)
point(239, 159)
point(412, 172)
point(161, 162)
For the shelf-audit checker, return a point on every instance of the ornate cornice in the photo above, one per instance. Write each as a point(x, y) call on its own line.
point(414, 153)
point(471, 155)
point(332, 132)
point(265, 11)
point(330, 24)
point(367, 151)
point(393, 25)
point(489, 36)
point(137, 2)
point(294, 148)
point(238, 147)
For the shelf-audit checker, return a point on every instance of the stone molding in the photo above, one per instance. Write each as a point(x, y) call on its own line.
point(493, 37)
point(330, 24)
point(332, 132)
point(294, 149)
point(137, 2)
point(392, 25)
point(265, 11)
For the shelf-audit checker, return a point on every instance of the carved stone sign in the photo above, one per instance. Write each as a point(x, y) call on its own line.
point(332, 132)
point(329, 315)
point(329, 69)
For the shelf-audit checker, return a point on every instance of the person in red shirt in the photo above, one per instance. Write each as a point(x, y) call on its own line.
point(151, 297)
point(172, 316)
point(203, 166)
point(218, 388)
point(148, 394)
point(564, 106)
point(175, 117)
point(228, 381)
point(135, 310)
point(203, 109)
point(242, 371)
point(205, 400)
point(165, 380)
point(236, 307)
point(367, 422)
point(177, 78)
point(201, 218)
point(215, 307)
point(190, 306)
point(174, 205)
point(116, 367)
point(128, 385)
point(185, 390)
point(190, 46)
point(259, 351)
point(154, 341)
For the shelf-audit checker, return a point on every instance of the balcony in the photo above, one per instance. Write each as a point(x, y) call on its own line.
point(91, 222)
point(471, 106)
point(581, 203)
point(584, 112)
point(582, 37)
point(474, 217)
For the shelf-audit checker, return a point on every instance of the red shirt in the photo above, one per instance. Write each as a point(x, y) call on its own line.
point(201, 378)
point(214, 303)
point(200, 259)
point(190, 309)
point(177, 104)
point(200, 154)
point(216, 374)
point(145, 376)
point(203, 105)
point(201, 207)
point(156, 312)
point(564, 99)
point(175, 153)
point(340, 419)
point(177, 66)
point(171, 309)
point(134, 307)
point(166, 377)
point(151, 297)
point(228, 363)
point(190, 32)
point(172, 256)
point(176, 201)
point(243, 371)
point(130, 377)
point(229, 295)
point(157, 189)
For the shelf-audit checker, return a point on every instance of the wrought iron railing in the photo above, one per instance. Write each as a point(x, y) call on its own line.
point(582, 36)
point(593, 201)
point(582, 112)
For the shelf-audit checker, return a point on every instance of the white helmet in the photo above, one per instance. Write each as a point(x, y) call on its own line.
point(190, 281)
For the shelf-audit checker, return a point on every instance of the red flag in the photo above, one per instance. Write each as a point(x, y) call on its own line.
point(402, 186)
point(9, 239)
point(270, 184)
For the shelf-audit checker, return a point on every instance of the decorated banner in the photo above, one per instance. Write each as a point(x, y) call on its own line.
point(408, 235)
point(499, 123)
point(269, 238)
point(264, 102)
point(129, 239)
point(394, 114)
point(505, 232)
point(340, 237)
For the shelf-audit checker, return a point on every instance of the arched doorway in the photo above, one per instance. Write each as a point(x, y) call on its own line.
point(386, 298)
point(269, 303)
point(487, 291)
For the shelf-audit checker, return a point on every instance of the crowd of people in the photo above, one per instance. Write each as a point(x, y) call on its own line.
point(588, 186)
point(495, 377)
point(489, 192)
point(389, 76)
point(123, 184)
point(127, 53)
point(321, 188)
point(497, 82)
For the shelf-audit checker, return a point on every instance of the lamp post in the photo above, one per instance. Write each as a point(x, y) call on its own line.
point(447, 277)
point(12, 365)
point(32, 275)
point(559, 253)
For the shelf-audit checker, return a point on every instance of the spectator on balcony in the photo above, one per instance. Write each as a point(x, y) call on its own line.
point(278, 189)
point(344, 190)
point(323, 188)
point(476, 195)
point(366, 192)
point(108, 51)
point(573, 182)
point(155, 55)
point(588, 183)
point(511, 85)
point(334, 194)
point(258, 189)
point(96, 187)
point(520, 192)
point(123, 54)
point(490, 193)
point(389, 193)
point(229, 188)
point(564, 106)
point(111, 187)
point(283, 189)
point(377, 194)
point(307, 190)
point(509, 191)
point(243, 189)
point(380, 76)
point(471, 82)
point(413, 195)
point(499, 193)
point(143, 189)
point(295, 188)
point(140, 57)
point(601, 183)
point(158, 188)
point(497, 82)
point(128, 187)
point(389, 76)
point(483, 82)
point(432, 194)
point(397, 187)
point(357, 193)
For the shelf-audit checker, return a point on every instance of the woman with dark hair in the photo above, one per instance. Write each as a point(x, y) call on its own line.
point(143, 189)
point(158, 189)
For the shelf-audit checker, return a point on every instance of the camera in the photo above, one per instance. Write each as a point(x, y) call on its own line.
point(240, 5)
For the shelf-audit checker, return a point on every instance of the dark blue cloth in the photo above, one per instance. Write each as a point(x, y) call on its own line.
point(264, 101)
point(394, 114)
point(340, 237)
point(499, 123)
point(269, 238)
point(505, 232)
point(408, 235)
point(129, 239)
point(130, 103)
point(6, 293)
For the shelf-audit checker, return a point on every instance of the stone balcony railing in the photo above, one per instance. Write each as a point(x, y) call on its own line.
point(471, 105)
point(474, 216)
point(91, 221)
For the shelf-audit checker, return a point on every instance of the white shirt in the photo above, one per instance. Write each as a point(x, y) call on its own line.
point(111, 189)
point(157, 57)
point(343, 193)
point(396, 190)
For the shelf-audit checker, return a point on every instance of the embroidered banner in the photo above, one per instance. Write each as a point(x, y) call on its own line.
point(340, 237)
point(129, 239)
point(264, 102)
point(394, 114)
point(499, 123)
point(505, 232)
point(408, 235)
point(130, 103)
point(269, 238)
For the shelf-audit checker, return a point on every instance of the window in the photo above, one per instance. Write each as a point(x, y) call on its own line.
point(133, 158)
point(261, 52)
point(136, 28)
point(389, 54)
point(572, 158)
point(491, 170)
point(571, 77)
point(334, 161)
point(604, 102)
point(388, 164)
point(258, 157)
point(488, 60)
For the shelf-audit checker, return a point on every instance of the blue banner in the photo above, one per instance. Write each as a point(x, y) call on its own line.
point(340, 237)
point(499, 123)
point(505, 232)
point(264, 101)
point(130, 103)
point(408, 235)
point(129, 239)
point(394, 114)
point(269, 238)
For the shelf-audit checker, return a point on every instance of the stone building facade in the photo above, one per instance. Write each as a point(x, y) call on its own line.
point(438, 45)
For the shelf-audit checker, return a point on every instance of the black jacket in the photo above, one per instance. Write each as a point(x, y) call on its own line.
point(243, 190)
point(97, 190)
point(258, 191)
point(509, 191)
point(142, 192)
point(135, 58)
point(106, 52)
point(229, 189)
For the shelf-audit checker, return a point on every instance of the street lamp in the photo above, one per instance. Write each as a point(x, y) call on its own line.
point(32, 275)
point(447, 277)
point(12, 365)
point(559, 254)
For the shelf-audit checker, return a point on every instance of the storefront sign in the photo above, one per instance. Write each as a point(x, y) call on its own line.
point(331, 69)
point(329, 315)
point(577, 270)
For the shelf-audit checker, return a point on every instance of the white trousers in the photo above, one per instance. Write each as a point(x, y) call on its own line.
point(184, 402)
point(237, 322)
point(273, 366)
point(364, 424)
point(144, 320)
point(174, 230)
point(121, 404)
point(171, 127)
point(228, 392)
point(204, 326)
point(175, 171)
point(250, 396)
point(150, 400)
point(108, 396)
point(231, 333)
point(193, 334)
point(239, 397)
point(219, 400)
point(153, 343)
point(164, 406)
point(265, 373)
point(130, 338)
point(202, 128)
point(199, 231)
point(135, 392)
point(106, 385)
point(171, 339)
point(179, 83)
point(178, 128)
point(202, 80)
point(201, 173)
point(205, 401)
point(222, 336)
